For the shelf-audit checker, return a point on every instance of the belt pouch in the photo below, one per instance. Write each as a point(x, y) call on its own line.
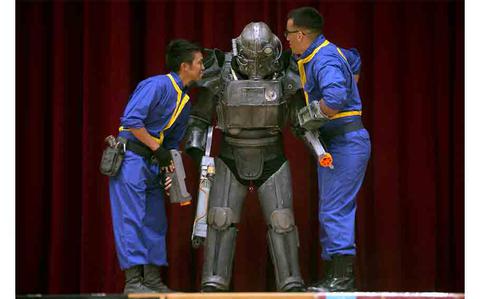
point(112, 156)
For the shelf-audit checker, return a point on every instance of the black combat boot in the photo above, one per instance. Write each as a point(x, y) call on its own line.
point(152, 279)
point(134, 281)
point(327, 276)
point(339, 276)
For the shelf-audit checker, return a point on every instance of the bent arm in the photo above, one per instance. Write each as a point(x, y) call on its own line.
point(327, 110)
point(143, 135)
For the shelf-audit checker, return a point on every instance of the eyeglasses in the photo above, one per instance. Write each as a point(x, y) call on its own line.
point(286, 32)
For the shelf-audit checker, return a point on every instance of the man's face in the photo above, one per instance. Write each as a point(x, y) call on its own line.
point(194, 70)
point(293, 36)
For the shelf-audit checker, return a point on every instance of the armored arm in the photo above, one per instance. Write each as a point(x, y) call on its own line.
point(200, 119)
point(202, 111)
point(294, 104)
point(199, 138)
point(199, 135)
point(293, 92)
point(305, 120)
point(207, 172)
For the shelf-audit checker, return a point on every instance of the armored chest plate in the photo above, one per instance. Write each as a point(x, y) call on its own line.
point(252, 104)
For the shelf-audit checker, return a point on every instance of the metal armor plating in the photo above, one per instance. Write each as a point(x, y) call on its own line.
point(249, 97)
point(249, 104)
point(251, 113)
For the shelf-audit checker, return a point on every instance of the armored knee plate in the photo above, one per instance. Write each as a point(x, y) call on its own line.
point(224, 212)
point(220, 218)
point(276, 199)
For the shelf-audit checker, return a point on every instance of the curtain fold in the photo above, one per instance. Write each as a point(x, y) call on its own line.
point(77, 63)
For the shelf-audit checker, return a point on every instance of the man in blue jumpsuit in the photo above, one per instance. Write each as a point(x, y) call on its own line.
point(327, 76)
point(153, 122)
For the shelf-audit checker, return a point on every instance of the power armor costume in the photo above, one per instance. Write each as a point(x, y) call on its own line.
point(247, 88)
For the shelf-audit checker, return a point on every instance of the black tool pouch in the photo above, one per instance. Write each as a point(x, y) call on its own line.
point(112, 156)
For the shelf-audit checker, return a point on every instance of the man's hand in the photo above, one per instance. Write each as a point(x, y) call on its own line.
point(163, 156)
point(327, 110)
point(167, 184)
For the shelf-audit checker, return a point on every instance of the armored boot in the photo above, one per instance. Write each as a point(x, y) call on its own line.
point(153, 280)
point(224, 212)
point(296, 288)
point(321, 286)
point(210, 289)
point(339, 276)
point(134, 281)
point(275, 196)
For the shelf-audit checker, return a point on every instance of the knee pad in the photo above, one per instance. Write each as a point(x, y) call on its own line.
point(282, 220)
point(220, 218)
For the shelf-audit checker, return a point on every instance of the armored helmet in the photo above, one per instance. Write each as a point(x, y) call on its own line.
point(257, 51)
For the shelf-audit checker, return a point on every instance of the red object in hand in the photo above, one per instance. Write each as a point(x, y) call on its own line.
point(326, 160)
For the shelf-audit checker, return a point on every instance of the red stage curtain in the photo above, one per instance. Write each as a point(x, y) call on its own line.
point(77, 62)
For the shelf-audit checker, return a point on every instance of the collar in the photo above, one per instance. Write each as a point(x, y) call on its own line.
point(178, 80)
point(317, 42)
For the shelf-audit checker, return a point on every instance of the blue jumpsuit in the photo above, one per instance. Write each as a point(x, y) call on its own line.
point(136, 196)
point(328, 74)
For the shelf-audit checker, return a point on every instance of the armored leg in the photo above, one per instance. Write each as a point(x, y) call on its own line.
point(276, 200)
point(224, 211)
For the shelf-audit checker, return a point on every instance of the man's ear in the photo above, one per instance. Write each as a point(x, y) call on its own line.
point(184, 66)
point(300, 36)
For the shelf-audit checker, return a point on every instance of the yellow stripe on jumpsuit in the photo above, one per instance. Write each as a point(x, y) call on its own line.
point(327, 74)
point(137, 200)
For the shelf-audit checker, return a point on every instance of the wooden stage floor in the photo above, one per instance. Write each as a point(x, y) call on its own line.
point(273, 295)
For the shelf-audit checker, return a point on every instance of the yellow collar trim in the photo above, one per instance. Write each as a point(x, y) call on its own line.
point(181, 102)
point(301, 67)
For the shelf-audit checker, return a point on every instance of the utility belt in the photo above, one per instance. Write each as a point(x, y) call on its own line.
point(113, 154)
point(141, 150)
point(328, 135)
point(138, 147)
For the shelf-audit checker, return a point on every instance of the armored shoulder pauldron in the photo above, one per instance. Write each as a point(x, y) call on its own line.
point(213, 62)
point(291, 80)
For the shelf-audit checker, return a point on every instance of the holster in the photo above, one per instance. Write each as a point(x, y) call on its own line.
point(112, 156)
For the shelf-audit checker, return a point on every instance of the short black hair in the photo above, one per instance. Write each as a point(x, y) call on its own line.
point(178, 51)
point(307, 17)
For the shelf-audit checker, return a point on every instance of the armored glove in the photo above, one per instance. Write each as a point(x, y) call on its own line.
point(297, 130)
point(163, 156)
